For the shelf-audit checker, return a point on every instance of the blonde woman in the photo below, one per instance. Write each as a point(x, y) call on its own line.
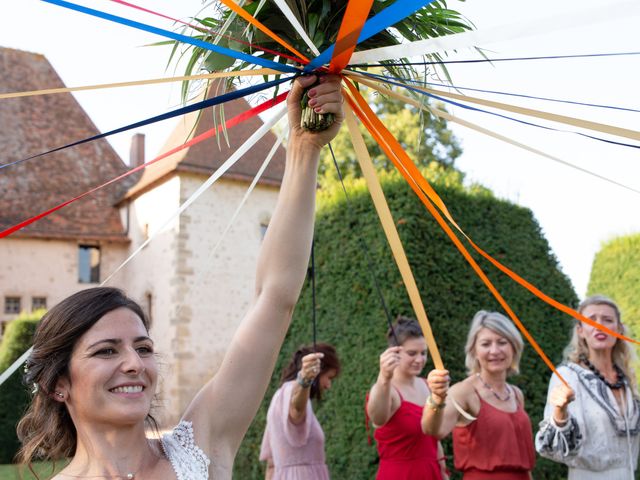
point(492, 437)
point(593, 426)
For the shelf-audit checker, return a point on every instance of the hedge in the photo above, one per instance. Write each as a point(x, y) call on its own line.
point(350, 315)
point(615, 273)
point(14, 397)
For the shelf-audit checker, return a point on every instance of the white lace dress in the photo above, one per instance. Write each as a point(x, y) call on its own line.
point(187, 459)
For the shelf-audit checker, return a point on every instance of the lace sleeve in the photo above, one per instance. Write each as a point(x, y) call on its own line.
point(187, 459)
point(554, 442)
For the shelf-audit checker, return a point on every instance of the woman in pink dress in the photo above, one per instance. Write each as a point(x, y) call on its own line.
point(293, 442)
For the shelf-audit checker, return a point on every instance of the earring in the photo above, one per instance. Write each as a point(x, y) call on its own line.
point(60, 395)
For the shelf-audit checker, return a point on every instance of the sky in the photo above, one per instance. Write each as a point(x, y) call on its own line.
point(576, 212)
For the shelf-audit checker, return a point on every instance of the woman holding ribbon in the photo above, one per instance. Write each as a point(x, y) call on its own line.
point(293, 441)
point(592, 424)
point(394, 405)
point(492, 436)
point(95, 372)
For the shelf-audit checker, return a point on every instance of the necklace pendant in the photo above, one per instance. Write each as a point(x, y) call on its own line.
point(130, 476)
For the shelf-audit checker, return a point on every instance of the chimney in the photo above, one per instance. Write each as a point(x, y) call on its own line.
point(136, 152)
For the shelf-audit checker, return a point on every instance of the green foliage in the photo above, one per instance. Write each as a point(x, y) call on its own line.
point(350, 315)
point(425, 138)
point(320, 19)
point(14, 396)
point(615, 273)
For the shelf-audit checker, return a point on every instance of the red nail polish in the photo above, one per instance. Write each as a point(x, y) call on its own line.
point(312, 102)
point(317, 110)
point(312, 93)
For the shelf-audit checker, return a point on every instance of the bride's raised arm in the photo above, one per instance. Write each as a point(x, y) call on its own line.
point(224, 408)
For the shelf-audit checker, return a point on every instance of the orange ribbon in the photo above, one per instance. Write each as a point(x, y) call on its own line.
point(408, 170)
point(253, 21)
point(355, 16)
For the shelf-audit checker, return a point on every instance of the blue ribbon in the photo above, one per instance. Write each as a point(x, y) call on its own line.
point(389, 16)
point(174, 113)
point(524, 122)
point(176, 36)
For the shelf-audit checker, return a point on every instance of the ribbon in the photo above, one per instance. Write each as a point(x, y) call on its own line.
point(289, 15)
point(176, 36)
point(391, 15)
point(151, 81)
point(204, 29)
point(520, 95)
point(406, 167)
point(244, 148)
point(208, 134)
point(391, 233)
point(355, 15)
point(165, 116)
point(447, 116)
point(234, 158)
point(503, 33)
point(399, 157)
point(552, 117)
point(263, 28)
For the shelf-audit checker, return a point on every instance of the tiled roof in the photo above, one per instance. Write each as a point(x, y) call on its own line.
point(31, 125)
point(206, 156)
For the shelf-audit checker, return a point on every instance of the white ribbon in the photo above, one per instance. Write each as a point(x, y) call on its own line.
point(286, 11)
point(512, 31)
point(244, 148)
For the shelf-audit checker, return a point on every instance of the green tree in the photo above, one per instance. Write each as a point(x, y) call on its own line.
point(14, 396)
point(426, 138)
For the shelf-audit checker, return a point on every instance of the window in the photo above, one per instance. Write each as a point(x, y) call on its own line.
point(12, 305)
point(38, 302)
point(88, 264)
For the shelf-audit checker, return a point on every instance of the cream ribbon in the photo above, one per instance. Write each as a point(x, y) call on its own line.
point(391, 233)
point(241, 73)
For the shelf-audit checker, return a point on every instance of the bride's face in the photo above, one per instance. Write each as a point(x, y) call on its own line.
point(112, 372)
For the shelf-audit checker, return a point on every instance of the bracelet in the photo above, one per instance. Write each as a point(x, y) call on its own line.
point(303, 382)
point(436, 407)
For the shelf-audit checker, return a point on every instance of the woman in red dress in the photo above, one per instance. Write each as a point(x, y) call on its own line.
point(492, 436)
point(394, 405)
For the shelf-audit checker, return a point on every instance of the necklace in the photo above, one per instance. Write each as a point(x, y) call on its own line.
point(613, 386)
point(128, 476)
point(495, 394)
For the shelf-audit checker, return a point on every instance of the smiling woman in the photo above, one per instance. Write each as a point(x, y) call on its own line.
point(95, 374)
point(491, 430)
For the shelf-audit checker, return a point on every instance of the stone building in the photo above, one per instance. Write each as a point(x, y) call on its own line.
point(195, 300)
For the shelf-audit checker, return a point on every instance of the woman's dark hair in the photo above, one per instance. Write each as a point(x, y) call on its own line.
point(46, 430)
point(403, 328)
point(328, 362)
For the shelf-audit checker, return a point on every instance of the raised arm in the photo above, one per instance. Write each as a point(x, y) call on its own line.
point(302, 389)
point(383, 400)
point(228, 403)
point(439, 416)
